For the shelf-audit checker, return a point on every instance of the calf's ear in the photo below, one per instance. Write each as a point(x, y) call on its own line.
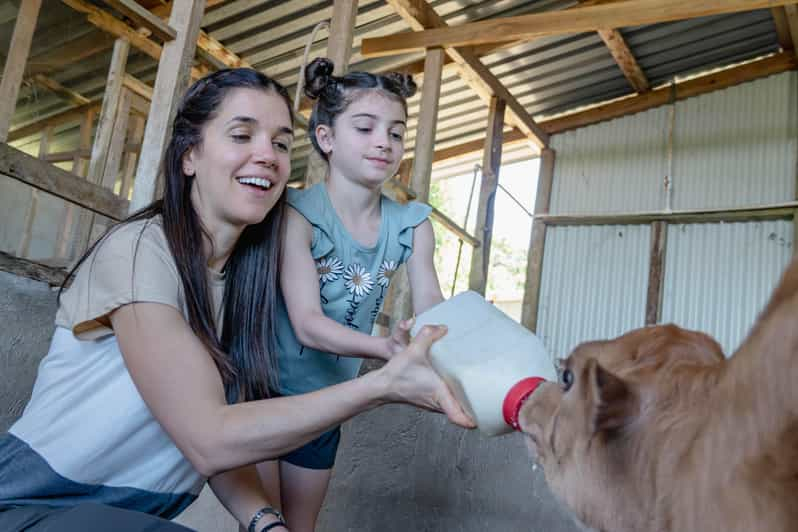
point(613, 402)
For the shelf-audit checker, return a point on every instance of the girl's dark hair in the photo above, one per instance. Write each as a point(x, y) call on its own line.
point(245, 355)
point(334, 94)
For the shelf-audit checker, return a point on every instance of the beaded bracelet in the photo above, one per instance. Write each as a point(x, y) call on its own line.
point(259, 515)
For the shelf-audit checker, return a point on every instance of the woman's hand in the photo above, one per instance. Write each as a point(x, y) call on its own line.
point(411, 378)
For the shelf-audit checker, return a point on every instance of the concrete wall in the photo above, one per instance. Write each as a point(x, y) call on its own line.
point(398, 469)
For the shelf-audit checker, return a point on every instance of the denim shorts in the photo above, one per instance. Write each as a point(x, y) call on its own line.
point(317, 454)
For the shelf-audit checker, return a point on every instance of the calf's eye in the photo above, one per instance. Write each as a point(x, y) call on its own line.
point(567, 379)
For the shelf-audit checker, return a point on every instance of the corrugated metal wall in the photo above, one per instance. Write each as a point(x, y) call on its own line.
point(733, 147)
point(594, 284)
point(719, 276)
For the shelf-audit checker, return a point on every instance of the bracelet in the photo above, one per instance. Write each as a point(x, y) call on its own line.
point(272, 525)
point(259, 515)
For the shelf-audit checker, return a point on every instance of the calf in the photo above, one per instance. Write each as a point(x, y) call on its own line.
point(657, 431)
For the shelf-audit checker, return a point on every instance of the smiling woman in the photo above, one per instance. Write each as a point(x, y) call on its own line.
point(162, 365)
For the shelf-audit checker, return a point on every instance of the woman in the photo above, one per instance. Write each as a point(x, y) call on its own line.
point(159, 370)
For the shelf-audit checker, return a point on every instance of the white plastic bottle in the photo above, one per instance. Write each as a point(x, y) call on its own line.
point(490, 362)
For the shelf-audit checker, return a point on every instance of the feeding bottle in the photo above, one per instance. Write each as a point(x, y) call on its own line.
point(489, 361)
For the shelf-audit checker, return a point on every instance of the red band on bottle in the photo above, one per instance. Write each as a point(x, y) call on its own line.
point(515, 398)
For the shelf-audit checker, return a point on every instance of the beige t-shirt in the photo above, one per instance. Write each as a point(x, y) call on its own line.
point(132, 265)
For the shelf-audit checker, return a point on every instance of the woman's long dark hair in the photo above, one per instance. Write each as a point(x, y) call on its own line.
point(334, 94)
point(245, 355)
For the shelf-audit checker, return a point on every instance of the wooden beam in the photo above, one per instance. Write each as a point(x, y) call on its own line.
point(170, 83)
point(30, 213)
point(491, 162)
point(73, 51)
point(137, 87)
point(467, 148)
point(32, 270)
point(577, 20)
point(420, 16)
point(427, 122)
point(452, 226)
point(129, 171)
point(339, 50)
point(537, 241)
point(656, 272)
point(626, 60)
point(62, 117)
point(44, 176)
point(774, 64)
point(779, 211)
point(17, 58)
point(782, 28)
point(144, 18)
point(108, 23)
point(791, 13)
point(59, 90)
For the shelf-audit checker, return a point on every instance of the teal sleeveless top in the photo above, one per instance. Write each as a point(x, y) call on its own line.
point(353, 281)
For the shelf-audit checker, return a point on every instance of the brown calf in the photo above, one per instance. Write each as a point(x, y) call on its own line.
point(656, 431)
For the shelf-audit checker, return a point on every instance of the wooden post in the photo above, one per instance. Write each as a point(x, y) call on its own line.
point(30, 216)
point(339, 50)
point(170, 82)
point(480, 258)
point(103, 135)
point(398, 300)
point(656, 270)
point(16, 61)
point(66, 247)
point(129, 171)
point(537, 240)
point(117, 146)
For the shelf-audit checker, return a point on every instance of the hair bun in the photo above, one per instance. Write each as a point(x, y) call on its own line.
point(318, 76)
point(405, 84)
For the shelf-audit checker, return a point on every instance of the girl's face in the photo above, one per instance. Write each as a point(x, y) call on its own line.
point(243, 163)
point(366, 143)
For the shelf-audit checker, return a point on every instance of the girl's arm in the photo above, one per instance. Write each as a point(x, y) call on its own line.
point(424, 286)
point(241, 492)
point(180, 384)
point(300, 284)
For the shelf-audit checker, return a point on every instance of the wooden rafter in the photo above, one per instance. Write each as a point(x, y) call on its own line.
point(144, 18)
point(626, 60)
point(581, 19)
point(782, 28)
point(420, 16)
point(59, 90)
point(791, 13)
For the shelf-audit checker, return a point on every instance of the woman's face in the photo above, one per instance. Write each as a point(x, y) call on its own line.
point(243, 162)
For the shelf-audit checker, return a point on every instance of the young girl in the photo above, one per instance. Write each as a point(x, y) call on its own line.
point(346, 241)
point(162, 357)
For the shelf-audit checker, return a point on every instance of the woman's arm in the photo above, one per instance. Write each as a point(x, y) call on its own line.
point(241, 492)
point(180, 384)
point(300, 284)
point(424, 285)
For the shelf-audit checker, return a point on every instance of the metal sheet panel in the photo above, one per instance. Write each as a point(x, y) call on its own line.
point(615, 166)
point(737, 146)
point(594, 284)
point(719, 276)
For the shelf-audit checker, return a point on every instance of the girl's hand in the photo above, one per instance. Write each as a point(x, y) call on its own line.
point(411, 379)
point(399, 338)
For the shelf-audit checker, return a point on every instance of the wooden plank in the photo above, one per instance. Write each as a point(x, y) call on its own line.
point(62, 117)
point(44, 176)
point(137, 87)
point(774, 64)
point(70, 52)
point(626, 60)
point(170, 83)
point(117, 146)
point(59, 90)
point(480, 258)
point(452, 226)
point(108, 23)
point(15, 63)
point(577, 20)
point(339, 50)
point(537, 241)
point(778, 211)
point(427, 122)
point(420, 16)
point(129, 171)
point(782, 28)
point(141, 16)
point(656, 272)
point(30, 213)
point(791, 13)
point(32, 270)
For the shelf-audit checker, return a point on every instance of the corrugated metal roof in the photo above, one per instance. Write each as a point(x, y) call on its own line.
point(547, 76)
